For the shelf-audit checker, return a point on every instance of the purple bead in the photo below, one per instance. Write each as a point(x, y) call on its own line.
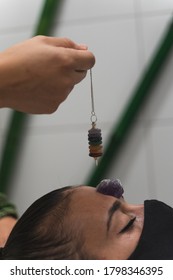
point(110, 187)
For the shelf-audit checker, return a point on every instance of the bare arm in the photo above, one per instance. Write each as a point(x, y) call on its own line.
point(6, 225)
point(8, 218)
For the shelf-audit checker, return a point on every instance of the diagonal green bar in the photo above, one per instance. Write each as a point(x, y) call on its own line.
point(50, 9)
point(15, 131)
point(142, 91)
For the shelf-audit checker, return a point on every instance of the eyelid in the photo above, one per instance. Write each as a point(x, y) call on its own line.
point(116, 205)
point(128, 226)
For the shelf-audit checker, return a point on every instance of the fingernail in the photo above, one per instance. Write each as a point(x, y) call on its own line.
point(83, 46)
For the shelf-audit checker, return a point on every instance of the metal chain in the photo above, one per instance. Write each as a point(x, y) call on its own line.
point(93, 115)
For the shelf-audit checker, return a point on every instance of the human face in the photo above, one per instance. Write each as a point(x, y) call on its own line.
point(110, 227)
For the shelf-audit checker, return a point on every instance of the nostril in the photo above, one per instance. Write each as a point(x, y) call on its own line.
point(110, 187)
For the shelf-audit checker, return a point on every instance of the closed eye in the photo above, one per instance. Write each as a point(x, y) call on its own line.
point(115, 206)
point(128, 226)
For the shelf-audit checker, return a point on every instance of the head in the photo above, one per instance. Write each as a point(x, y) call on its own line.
point(76, 223)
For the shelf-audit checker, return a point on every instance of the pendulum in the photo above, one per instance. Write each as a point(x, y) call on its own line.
point(95, 141)
point(94, 134)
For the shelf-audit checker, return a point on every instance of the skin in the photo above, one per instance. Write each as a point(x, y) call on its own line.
point(37, 75)
point(6, 225)
point(101, 228)
point(92, 222)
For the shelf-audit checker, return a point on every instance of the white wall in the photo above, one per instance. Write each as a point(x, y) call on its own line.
point(123, 35)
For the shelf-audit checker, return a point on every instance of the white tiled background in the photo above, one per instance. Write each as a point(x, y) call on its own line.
point(123, 35)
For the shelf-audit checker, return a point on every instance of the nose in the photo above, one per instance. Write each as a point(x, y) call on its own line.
point(110, 187)
point(132, 210)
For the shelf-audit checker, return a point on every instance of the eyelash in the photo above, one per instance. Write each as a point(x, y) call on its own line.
point(128, 226)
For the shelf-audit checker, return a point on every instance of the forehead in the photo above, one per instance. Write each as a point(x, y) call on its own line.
point(85, 197)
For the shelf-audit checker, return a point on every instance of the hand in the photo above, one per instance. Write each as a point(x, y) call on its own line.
point(38, 74)
point(6, 225)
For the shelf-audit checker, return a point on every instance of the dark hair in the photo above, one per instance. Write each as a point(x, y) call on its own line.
point(42, 231)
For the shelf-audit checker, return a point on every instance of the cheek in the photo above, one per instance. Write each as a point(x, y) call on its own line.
point(126, 243)
point(119, 248)
point(94, 232)
point(96, 229)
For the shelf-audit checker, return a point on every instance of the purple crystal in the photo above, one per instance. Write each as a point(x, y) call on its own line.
point(110, 187)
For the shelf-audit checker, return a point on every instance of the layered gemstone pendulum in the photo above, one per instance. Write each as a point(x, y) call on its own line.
point(94, 134)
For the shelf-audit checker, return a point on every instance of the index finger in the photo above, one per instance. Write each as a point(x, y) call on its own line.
point(62, 42)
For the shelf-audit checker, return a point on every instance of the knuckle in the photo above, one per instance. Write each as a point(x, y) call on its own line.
point(68, 60)
point(67, 42)
point(42, 39)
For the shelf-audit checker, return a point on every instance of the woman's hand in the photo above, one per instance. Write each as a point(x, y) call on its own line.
point(38, 74)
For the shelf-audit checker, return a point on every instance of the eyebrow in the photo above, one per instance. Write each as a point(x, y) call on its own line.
point(115, 206)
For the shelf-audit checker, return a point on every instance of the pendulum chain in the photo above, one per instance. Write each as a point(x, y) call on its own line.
point(94, 134)
point(93, 115)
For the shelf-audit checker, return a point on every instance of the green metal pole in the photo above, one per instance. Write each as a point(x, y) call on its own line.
point(130, 112)
point(17, 124)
